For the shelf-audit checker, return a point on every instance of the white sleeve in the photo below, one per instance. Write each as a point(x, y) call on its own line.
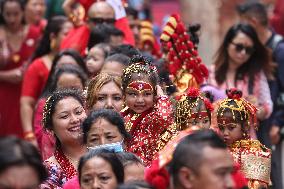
point(118, 8)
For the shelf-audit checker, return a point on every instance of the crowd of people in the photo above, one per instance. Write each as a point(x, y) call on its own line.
point(92, 98)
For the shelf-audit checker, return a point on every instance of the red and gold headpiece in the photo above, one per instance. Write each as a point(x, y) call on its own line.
point(185, 65)
point(140, 86)
point(185, 105)
point(139, 64)
point(148, 42)
point(235, 103)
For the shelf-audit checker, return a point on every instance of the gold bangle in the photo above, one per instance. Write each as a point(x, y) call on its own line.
point(29, 136)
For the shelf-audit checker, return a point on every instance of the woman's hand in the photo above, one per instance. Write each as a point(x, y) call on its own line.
point(12, 76)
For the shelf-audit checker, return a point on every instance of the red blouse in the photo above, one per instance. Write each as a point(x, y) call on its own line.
point(35, 79)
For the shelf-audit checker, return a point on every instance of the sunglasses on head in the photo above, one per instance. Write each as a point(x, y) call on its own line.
point(240, 47)
point(102, 20)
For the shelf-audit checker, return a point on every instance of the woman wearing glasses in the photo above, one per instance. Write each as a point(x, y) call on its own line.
point(243, 62)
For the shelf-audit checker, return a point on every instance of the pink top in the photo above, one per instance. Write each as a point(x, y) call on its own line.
point(260, 89)
point(72, 184)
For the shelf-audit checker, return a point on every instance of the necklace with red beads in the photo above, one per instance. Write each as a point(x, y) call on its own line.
point(65, 164)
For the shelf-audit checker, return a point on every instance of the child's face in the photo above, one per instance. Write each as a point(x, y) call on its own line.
point(139, 95)
point(95, 60)
point(199, 117)
point(113, 67)
point(230, 129)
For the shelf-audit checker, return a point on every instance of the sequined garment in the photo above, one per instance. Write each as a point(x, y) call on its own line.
point(255, 161)
point(147, 128)
point(56, 177)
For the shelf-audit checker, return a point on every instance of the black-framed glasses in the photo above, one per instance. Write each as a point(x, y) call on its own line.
point(102, 20)
point(240, 47)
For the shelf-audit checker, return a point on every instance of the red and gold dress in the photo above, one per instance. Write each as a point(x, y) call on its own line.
point(255, 161)
point(147, 128)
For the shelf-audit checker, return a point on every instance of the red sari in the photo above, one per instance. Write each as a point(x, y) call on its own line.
point(10, 122)
point(147, 128)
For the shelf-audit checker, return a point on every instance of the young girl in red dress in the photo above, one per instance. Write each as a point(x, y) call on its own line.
point(235, 117)
point(148, 112)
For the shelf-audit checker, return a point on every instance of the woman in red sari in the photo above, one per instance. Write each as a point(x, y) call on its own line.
point(17, 43)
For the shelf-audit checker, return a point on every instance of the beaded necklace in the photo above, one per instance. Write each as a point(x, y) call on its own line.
point(65, 164)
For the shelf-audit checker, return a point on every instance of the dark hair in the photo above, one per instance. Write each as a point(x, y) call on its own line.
point(54, 26)
point(2, 4)
point(257, 62)
point(193, 33)
point(127, 50)
point(189, 152)
point(135, 184)
point(75, 55)
point(111, 116)
point(17, 152)
point(131, 12)
point(99, 34)
point(120, 58)
point(163, 73)
point(66, 69)
point(142, 65)
point(104, 47)
point(108, 156)
point(53, 100)
point(128, 158)
point(254, 9)
point(114, 31)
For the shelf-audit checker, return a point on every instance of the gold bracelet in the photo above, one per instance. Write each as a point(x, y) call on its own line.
point(29, 136)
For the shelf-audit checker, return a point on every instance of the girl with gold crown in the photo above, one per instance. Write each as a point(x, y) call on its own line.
point(235, 117)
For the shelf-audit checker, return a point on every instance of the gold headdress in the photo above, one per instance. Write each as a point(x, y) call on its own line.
point(235, 103)
point(139, 64)
point(185, 105)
